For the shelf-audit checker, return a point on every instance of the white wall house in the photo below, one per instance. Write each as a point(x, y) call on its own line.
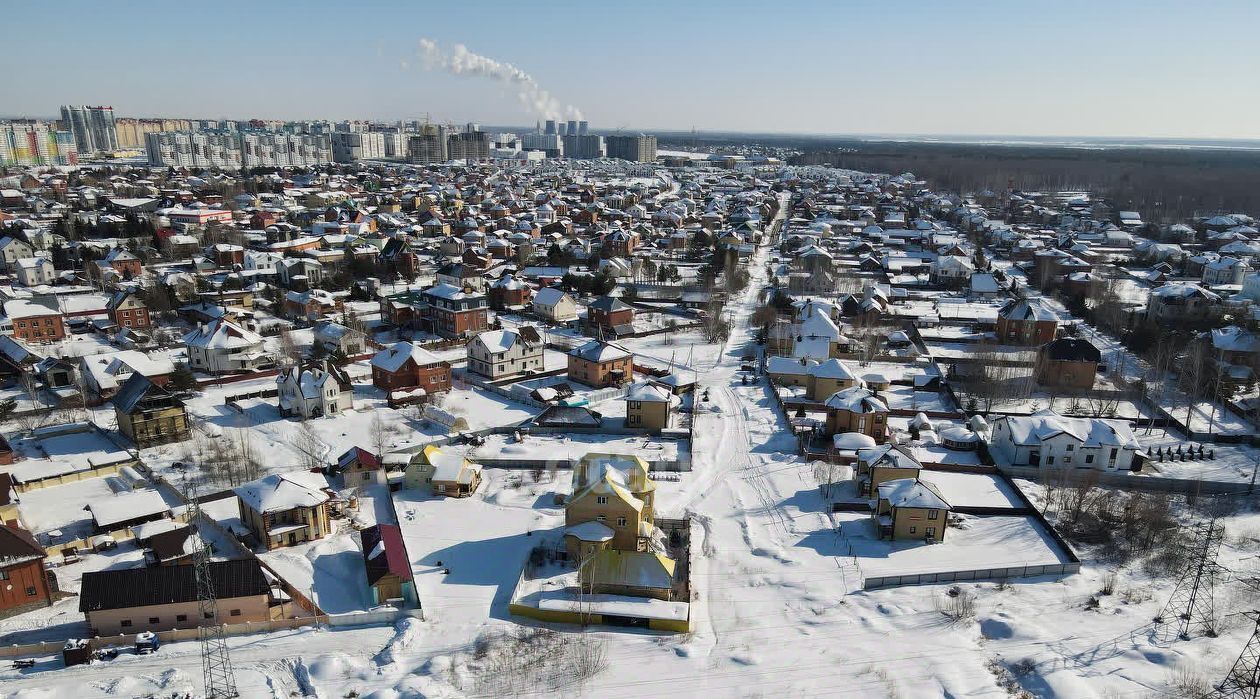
point(500, 353)
point(310, 391)
point(1047, 439)
point(221, 346)
point(35, 271)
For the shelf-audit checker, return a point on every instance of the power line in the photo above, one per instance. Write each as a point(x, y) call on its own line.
point(1190, 606)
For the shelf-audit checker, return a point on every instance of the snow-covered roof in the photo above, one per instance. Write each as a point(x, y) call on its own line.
point(222, 334)
point(911, 492)
point(856, 399)
point(393, 357)
point(112, 510)
point(280, 492)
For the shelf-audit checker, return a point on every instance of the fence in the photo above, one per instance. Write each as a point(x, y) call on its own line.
point(1008, 573)
point(170, 636)
point(1149, 484)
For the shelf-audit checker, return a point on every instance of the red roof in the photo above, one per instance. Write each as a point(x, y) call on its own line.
point(393, 559)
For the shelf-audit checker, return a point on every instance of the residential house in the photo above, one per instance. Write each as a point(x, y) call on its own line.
point(612, 506)
point(609, 316)
point(1237, 351)
point(148, 414)
point(554, 305)
point(508, 292)
point(1068, 362)
point(601, 364)
point(132, 600)
point(36, 320)
point(1182, 302)
point(650, 406)
point(336, 338)
point(388, 566)
point(311, 305)
point(404, 366)
point(908, 508)
point(500, 353)
point(951, 271)
point(461, 276)
point(25, 582)
point(887, 462)
point(1047, 439)
point(127, 310)
point(103, 374)
point(453, 312)
point(35, 271)
point(121, 262)
point(313, 390)
point(1227, 271)
point(359, 466)
point(222, 346)
point(1027, 322)
point(285, 509)
point(442, 472)
point(14, 249)
point(857, 409)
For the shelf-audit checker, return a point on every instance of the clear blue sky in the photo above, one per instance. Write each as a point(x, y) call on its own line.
point(1024, 67)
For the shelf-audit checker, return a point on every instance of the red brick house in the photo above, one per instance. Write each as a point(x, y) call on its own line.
point(126, 310)
point(25, 585)
point(404, 366)
point(1027, 322)
point(226, 255)
point(36, 319)
point(453, 312)
point(125, 263)
point(610, 315)
point(509, 292)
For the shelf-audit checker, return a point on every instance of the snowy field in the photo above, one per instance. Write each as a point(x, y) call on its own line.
point(778, 609)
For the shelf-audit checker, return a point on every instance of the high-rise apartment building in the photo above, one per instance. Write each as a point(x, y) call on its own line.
point(349, 146)
point(583, 147)
point(31, 142)
point(428, 145)
point(235, 149)
point(639, 148)
point(93, 128)
point(549, 143)
point(468, 145)
point(131, 131)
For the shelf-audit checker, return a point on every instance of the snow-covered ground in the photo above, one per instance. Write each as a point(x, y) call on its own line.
point(778, 609)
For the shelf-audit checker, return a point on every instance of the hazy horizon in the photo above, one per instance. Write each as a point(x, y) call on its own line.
point(981, 69)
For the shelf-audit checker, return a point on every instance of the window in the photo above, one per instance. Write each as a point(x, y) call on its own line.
point(1114, 452)
point(1050, 460)
point(4, 575)
point(367, 476)
point(912, 529)
point(207, 615)
point(602, 518)
point(154, 620)
point(601, 499)
point(125, 623)
point(1070, 447)
point(621, 521)
point(931, 531)
point(234, 612)
point(30, 591)
point(1067, 459)
point(181, 617)
point(1089, 458)
point(933, 514)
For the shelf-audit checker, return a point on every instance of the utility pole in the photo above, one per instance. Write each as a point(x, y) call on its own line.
point(216, 664)
point(1191, 603)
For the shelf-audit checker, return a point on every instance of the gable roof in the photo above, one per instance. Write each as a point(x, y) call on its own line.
point(279, 492)
point(384, 552)
point(138, 587)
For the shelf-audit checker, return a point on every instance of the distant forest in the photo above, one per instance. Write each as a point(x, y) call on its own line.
point(1165, 185)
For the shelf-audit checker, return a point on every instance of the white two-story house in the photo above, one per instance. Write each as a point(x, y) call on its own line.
point(500, 353)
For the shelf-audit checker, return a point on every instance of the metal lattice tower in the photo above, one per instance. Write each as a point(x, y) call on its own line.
point(216, 664)
point(1190, 607)
point(1243, 680)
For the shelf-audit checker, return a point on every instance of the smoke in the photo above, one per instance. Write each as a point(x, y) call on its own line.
point(462, 62)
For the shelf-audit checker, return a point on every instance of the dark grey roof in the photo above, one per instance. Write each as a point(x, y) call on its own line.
point(133, 390)
point(136, 587)
point(568, 416)
point(1071, 349)
point(608, 304)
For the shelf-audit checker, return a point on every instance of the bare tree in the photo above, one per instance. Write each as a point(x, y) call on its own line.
point(381, 434)
point(308, 446)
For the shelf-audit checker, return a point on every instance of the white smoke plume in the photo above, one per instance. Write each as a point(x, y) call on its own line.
point(460, 61)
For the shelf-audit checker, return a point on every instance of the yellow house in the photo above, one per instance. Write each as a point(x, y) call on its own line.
point(909, 508)
point(829, 377)
point(148, 414)
point(442, 473)
point(857, 409)
point(612, 506)
point(884, 463)
point(285, 509)
point(649, 405)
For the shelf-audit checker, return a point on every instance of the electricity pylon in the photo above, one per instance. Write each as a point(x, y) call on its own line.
point(216, 664)
point(1190, 607)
